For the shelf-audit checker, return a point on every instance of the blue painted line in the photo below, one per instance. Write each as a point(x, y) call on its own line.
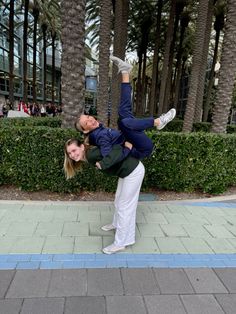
point(28, 265)
point(67, 261)
point(210, 204)
point(41, 257)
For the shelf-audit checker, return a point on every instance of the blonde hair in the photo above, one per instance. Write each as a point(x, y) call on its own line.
point(71, 167)
point(78, 125)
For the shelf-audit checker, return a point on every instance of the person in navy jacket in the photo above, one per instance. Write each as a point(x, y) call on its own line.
point(131, 129)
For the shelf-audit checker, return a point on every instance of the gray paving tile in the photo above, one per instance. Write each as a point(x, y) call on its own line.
point(228, 277)
point(104, 282)
point(10, 306)
point(5, 280)
point(204, 304)
point(125, 305)
point(85, 305)
point(205, 280)
point(139, 281)
point(164, 304)
point(227, 302)
point(173, 281)
point(29, 284)
point(68, 282)
point(43, 306)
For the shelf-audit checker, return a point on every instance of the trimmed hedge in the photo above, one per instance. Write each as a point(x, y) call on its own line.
point(54, 122)
point(177, 125)
point(32, 158)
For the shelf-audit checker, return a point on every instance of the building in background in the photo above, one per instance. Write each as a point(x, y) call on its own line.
point(90, 73)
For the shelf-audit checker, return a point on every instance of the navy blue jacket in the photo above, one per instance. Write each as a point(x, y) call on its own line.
point(106, 138)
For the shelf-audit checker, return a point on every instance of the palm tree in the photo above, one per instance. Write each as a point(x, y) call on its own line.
point(11, 54)
point(35, 13)
point(153, 101)
point(104, 53)
point(185, 18)
point(169, 38)
point(202, 73)
point(222, 106)
point(73, 59)
point(218, 26)
point(25, 51)
point(180, 4)
point(119, 47)
point(196, 65)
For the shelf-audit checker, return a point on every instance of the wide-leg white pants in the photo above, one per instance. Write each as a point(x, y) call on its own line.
point(126, 201)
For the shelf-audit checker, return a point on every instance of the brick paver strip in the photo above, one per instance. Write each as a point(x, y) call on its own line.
point(68, 283)
point(43, 305)
point(5, 280)
point(173, 281)
point(125, 304)
point(10, 306)
point(228, 277)
point(164, 304)
point(82, 305)
point(227, 302)
point(139, 282)
point(205, 281)
point(29, 283)
point(204, 304)
point(104, 282)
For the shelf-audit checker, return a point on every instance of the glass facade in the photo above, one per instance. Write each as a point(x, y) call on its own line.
point(18, 63)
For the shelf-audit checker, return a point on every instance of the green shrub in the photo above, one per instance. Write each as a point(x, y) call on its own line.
point(32, 158)
point(54, 122)
point(177, 126)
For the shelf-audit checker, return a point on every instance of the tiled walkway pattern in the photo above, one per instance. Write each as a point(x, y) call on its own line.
point(51, 228)
point(38, 241)
point(118, 291)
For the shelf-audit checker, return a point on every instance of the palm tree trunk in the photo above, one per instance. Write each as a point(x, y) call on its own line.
point(138, 99)
point(164, 74)
point(53, 67)
point(202, 74)
point(11, 54)
point(120, 41)
point(179, 59)
point(219, 24)
point(227, 72)
point(44, 30)
point(104, 53)
point(197, 61)
point(167, 98)
point(153, 100)
point(36, 15)
point(73, 60)
point(25, 48)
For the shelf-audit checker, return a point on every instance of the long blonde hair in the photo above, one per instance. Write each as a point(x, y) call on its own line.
point(71, 167)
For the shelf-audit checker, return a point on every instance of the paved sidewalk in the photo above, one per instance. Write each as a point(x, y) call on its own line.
point(184, 259)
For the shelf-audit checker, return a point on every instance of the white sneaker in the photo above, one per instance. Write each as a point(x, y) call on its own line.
point(122, 66)
point(166, 118)
point(110, 249)
point(108, 227)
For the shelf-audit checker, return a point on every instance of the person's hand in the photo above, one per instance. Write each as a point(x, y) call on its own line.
point(128, 145)
point(98, 165)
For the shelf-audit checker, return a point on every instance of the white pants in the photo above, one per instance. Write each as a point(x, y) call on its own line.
point(126, 201)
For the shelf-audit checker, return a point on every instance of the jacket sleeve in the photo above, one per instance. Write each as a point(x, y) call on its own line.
point(116, 155)
point(105, 145)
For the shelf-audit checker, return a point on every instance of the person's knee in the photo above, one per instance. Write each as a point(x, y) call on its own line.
point(125, 123)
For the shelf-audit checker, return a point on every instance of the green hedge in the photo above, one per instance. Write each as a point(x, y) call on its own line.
point(54, 122)
point(32, 158)
point(177, 126)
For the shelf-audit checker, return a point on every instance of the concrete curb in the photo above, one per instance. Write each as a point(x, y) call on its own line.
point(208, 199)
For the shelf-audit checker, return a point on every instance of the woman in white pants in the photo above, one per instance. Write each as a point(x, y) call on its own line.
point(130, 172)
point(126, 200)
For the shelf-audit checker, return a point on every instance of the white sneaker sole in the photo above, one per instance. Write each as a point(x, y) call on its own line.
point(107, 228)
